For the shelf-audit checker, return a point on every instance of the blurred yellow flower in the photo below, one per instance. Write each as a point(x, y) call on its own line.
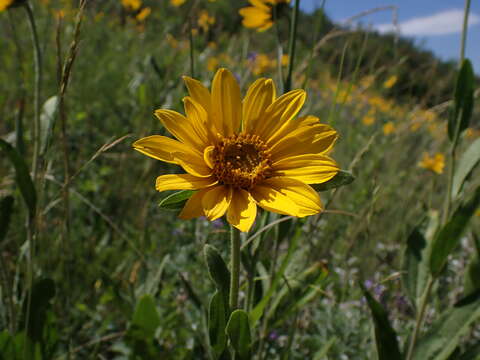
point(392, 80)
point(285, 60)
point(132, 5)
point(261, 63)
point(5, 4)
point(212, 45)
point(177, 3)
point(205, 20)
point(368, 119)
point(435, 163)
point(388, 128)
point(367, 81)
point(260, 15)
point(238, 155)
point(143, 14)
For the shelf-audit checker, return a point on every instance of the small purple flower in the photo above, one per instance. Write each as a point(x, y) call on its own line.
point(252, 56)
point(273, 336)
point(368, 284)
point(218, 224)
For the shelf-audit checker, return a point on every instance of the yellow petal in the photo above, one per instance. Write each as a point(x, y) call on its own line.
point(208, 156)
point(305, 198)
point(181, 128)
point(267, 25)
point(292, 125)
point(193, 208)
point(308, 168)
point(226, 102)
point(193, 163)
point(315, 139)
point(216, 201)
point(280, 112)
point(259, 97)
point(199, 93)
point(198, 118)
point(182, 182)
point(161, 147)
point(242, 211)
point(272, 200)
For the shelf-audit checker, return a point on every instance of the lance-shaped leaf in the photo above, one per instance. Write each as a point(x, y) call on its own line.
point(472, 274)
point(443, 336)
point(217, 322)
point(468, 161)
point(22, 176)
point(217, 269)
point(385, 336)
point(6, 208)
point(176, 201)
point(145, 319)
point(463, 100)
point(238, 331)
point(449, 236)
point(340, 179)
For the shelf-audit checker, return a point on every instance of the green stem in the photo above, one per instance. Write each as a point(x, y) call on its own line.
point(291, 46)
point(192, 55)
point(464, 31)
point(420, 317)
point(235, 267)
point(38, 82)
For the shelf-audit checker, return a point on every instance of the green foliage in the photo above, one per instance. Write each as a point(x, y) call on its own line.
point(176, 201)
point(449, 236)
point(445, 333)
point(385, 336)
point(468, 161)
point(463, 101)
point(22, 176)
point(238, 330)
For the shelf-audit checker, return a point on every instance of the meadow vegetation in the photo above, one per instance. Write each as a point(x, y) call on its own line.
point(93, 268)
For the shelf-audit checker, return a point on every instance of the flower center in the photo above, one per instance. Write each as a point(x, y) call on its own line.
point(241, 161)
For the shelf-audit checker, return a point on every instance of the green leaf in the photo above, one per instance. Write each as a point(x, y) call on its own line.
point(43, 291)
point(468, 161)
point(412, 260)
point(176, 201)
point(463, 100)
point(238, 331)
point(145, 319)
point(385, 336)
point(449, 236)
point(472, 353)
point(444, 335)
point(47, 120)
point(6, 209)
point(22, 176)
point(322, 353)
point(217, 269)
point(217, 322)
point(340, 179)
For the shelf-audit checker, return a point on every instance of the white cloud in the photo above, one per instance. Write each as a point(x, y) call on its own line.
point(442, 23)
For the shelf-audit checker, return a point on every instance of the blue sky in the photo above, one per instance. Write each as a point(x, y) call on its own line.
point(434, 24)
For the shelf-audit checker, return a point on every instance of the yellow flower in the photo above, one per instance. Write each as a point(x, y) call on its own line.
point(390, 82)
point(260, 15)
point(177, 3)
point(205, 20)
point(143, 14)
point(240, 154)
point(5, 4)
point(285, 60)
point(368, 119)
point(388, 128)
point(261, 63)
point(132, 5)
point(435, 163)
